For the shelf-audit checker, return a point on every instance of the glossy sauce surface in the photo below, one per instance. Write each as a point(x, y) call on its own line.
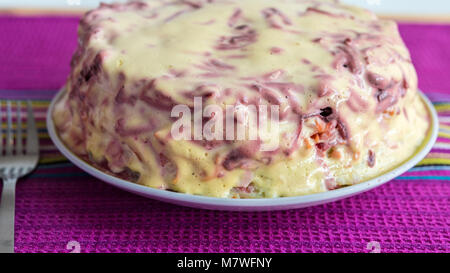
point(342, 78)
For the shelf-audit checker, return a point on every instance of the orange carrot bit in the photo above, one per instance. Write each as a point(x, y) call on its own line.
point(328, 126)
point(316, 138)
point(160, 138)
point(177, 177)
point(336, 154)
point(319, 126)
point(217, 159)
point(390, 112)
point(307, 144)
point(356, 156)
point(208, 178)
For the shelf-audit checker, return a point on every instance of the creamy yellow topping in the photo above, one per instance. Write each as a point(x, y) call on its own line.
point(136, 61)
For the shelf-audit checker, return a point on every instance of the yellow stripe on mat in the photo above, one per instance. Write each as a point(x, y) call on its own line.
point(34, 103)
point(40, 135)
point(442, 107)
point(52, 159)
point(434, 161)
point(39, 124)
point(444, 135)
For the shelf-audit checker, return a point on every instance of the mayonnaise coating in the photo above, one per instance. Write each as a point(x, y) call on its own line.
point(342, 79)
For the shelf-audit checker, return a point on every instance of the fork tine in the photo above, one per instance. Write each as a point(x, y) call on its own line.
point(19, 148)
point(32, 146)
point(1, 129)
point(9, 130)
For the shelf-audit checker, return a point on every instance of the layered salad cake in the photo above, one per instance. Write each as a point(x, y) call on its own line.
point(336, 82)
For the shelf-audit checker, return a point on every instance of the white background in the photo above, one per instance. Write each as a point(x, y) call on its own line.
point(402, 7)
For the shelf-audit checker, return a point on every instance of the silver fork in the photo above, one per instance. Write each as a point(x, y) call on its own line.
point(15, 163)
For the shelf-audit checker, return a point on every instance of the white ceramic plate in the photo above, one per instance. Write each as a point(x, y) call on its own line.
point(247, 204)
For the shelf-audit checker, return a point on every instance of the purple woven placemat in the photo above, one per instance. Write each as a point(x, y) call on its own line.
point(59, 203)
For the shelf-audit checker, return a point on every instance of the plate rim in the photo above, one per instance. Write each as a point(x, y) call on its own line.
point(261, 204)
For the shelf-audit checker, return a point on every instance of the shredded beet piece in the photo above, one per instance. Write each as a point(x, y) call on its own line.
point(241, 157)
point(356, 103)
point(388, 97)
point(377, 81)
point(245, 37)
point(210, 144)
point(92, 70)
point(233, 160)
point(117, 156)
point(156, 98)
point(122, 98)
point(175, 15)
point(342, 130)
point(122, 130)
point(316, 10)
point(276, 50)
point(130, 175)
point(245, 190)
point(192, 4)
point(235, 17)
point(271, 96)
point(163, 160)
point(382, 95)
point(272, 13)
point(352, 56)
point(371, 159)
point(405, 84)
point(125, 6)
point(220, 65)
point(322, 146)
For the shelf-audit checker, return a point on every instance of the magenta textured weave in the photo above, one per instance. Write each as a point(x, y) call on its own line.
point(59, 203)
